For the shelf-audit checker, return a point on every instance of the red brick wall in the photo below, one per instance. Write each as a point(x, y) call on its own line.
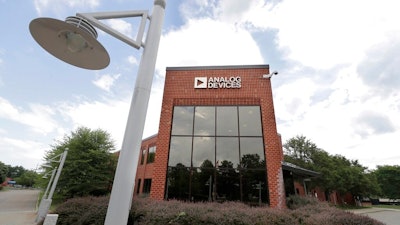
point(179, 90)
point(145, 170)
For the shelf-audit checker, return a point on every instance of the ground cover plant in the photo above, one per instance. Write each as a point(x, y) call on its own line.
point(92, 210)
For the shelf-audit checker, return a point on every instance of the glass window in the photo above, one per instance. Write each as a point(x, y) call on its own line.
point(138, 186)
point(203, 151)
point(250, 121)
point(180, 151)
point(151, 155)
point(203, 184)
point(178, 183)
point(146, 186)
point(182, 123)
point(204, 121)
point(228, 151)
point(143, 156)
point(216, 154)
point(227, 121)
point(252, 152)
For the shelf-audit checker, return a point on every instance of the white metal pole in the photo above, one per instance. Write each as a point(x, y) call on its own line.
point(124, 180)
point(46, 200)
point(50, 181)
point(60, 167)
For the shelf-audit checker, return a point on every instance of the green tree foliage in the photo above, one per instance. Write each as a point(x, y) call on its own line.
point(3, 172)
point(89, 166)
point(338, 173)
point(389, 180)
point(15, 171)
point(28, 178)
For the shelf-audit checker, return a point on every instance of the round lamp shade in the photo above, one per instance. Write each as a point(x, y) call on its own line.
point(73, 41)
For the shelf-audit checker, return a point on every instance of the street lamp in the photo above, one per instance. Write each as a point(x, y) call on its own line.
point(74, 41)
point(45, 203)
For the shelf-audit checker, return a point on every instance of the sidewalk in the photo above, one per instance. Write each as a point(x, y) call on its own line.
point(18, 218)
point(386, 216)
point(18, 206)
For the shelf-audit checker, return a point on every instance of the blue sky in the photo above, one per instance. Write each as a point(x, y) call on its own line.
point(338, 63)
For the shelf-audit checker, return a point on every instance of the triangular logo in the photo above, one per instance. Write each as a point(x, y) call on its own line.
point(200, 82)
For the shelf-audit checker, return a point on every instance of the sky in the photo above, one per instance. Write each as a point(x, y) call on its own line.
point(338, 64)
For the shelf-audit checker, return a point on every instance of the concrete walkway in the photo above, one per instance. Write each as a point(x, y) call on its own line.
point(18, 206)
point(386, 216)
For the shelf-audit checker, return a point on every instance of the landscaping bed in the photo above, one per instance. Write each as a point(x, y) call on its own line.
point(92, 210)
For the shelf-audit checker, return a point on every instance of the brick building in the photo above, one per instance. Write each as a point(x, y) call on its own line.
point(217, 138)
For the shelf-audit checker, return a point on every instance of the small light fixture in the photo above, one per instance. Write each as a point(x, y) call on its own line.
point(73, 41)
point(266, 76)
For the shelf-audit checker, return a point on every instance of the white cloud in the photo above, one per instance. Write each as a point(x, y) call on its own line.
point(121, 26)
point(109, 115)
point(207, 42)
point(349, 121)
point(39, 118)
point(322, 34)
point(25, 153)
point(132, 60)
point(59, 6)
point(105, 82)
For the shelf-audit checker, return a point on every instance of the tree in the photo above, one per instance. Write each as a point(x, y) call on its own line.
point(338, 173)
point(389, 180)
point(15, 171)
point(89, 166)
point(3, 172)
point(28, 178)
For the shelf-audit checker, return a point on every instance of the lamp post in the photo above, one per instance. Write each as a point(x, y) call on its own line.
point(53, 172)
point(45, 203)
point(74, 41)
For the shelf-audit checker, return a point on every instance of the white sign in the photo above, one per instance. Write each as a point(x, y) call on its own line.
point(200, 82)
point(217, 82)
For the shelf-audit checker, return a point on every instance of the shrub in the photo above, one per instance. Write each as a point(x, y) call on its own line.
point(82, 211)
point(297, 201)
point(92, 210)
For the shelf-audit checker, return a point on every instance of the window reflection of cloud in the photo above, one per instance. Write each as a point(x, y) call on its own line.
point(204, 123)
point(252, 145)
point(180, 151)
point(227, 121)
point(203, 149)
point(182, 120)
point(250, 121)
point(228, 149)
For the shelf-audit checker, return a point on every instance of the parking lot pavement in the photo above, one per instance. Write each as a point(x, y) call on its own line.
point(18, 206)
point(386, 216)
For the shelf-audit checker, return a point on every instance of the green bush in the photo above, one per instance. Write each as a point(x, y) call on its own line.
point(92, 210)
point(82, 211)
point(297, 201)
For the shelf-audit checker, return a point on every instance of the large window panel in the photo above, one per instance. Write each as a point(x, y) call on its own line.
point(152, 154)
point(228, 152)
point(250, 121)
point(180, 151)
point(217, 154)
point(227, 121)
point(182, 123)
point(178, 183)
point(204, 121)
point(203, 151)
point(252, 152)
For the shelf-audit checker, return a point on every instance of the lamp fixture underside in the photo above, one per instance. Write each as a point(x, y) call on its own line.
point(73, 41)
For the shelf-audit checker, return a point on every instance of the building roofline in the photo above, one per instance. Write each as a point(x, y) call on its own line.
point(149, 137)
point(299, 170)
point(260, 66)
